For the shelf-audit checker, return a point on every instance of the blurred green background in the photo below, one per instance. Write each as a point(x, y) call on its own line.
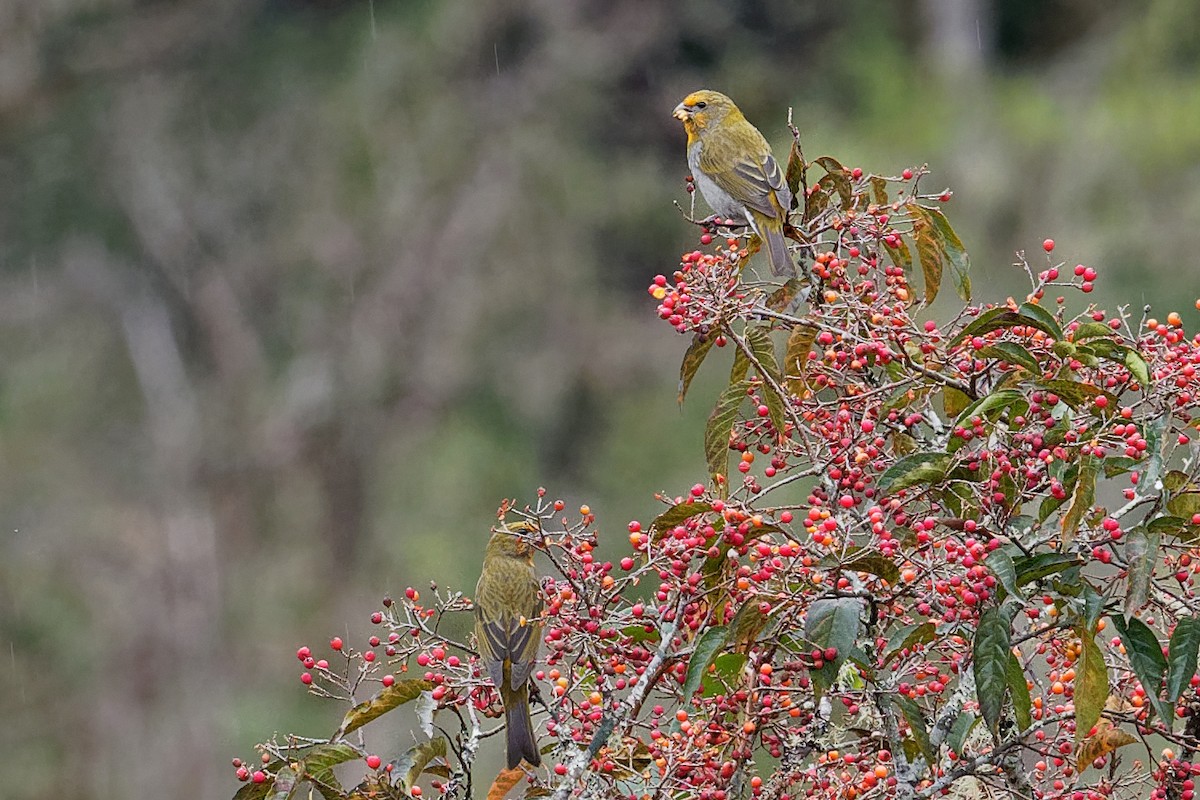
point(294, 293)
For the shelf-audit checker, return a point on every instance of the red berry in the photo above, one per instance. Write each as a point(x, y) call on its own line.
point(830, 654)
point(373, 761)
point(259, 776)
point(388, 680)
point(306, 678)
point(1048, 245)
point(336, 643)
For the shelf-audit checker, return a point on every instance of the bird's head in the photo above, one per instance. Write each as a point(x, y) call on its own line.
point(514, 540)
point(703, 109)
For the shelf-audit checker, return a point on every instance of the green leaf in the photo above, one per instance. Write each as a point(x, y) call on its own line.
point(760, 344)
point(963, 724)
point(954, 401)
point(729, 669)
point(1118, 465)
point(390, 697)
point(1141, 553)
point(1075, 394)
point(1042, 565)
point(707, 648)
point(993, 641)
point(838, 177)
point(678, 514)
point(1153, 434)
point(285, 784)
point(413, 762)
point(795, 359)
point(692, 360)
point(1184, 505)
point(900, 254)
point(1013, 353)
point(929, 251)
point(1146, 659)
point(916, 721)
point(720, 427)
point(1181, 656)
point(911, 470)
point(740, 368)
point(1090, 330)
point(1022, 704)
point(989, 406)
point(954, 252)
point(908, 636)
point(876, 565)
point(1091, 685)
point(1027, 314)
point(832, 622)
point(1137, 367)
point(320, 761)
point(259, 791)
point(1082, 499)
point(1175, 480)
point(879, 190)
point(1002, 566)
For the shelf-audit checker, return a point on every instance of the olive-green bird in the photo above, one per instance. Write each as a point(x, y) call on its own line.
point(732, 164)
point(507, 603)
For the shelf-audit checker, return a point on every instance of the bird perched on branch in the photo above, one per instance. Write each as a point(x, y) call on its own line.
point(733, 166)
point(507, 605)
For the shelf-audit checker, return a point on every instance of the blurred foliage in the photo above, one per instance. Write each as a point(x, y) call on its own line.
point(295, 292)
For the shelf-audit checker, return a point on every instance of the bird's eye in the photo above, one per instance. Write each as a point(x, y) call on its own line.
point(702, 104)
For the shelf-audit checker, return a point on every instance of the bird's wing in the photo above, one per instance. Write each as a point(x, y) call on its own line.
point(503, 637)
point(757, 183)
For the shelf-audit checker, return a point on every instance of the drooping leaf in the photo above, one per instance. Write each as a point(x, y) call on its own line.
point(795, 359)
point(759, 341)
point(1075, 394)
point(719, 428)
point(1091, 684)
point(1146, 658)
point(320, 761)
point(1184, 505)
point(916, 722)
point(285, 784)
point(900, 254)
point(929, 252)
point(876, 565)
point(1027, 315)
point(838, 178)
point(1090, 330)
point(1181, 656)
point(911, 470)
point(394, 696)
point(679, 514)
point(1002, 566)
point(879, 190)
point(1013, 353)
point(740, 368)
point(963, 724)
point(953, 251)
point(707, 647)
point(990, 406)
point(692, 360)
point(954, 401)
point(1137, 367)
point(1106, 740)
point(993, 640)
point(1042, 565)
point(908, 636)
point(259, 791)
point(1022, 703)
point(832, 622)
point(504, 783)
point(413, 762)
point(1141, 551)
point(1082, 498)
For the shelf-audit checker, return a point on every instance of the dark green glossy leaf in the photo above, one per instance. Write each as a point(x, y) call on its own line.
point(707, 648)
point(832, 622)
point(1002, 566)
point(1042, 565)
point(1181, 656)
point(1090, 330)
point(1137, 367)
point(1146, 658)
point(1027, 315)
point(963, 724)
point(1022, 703)
point(916, 722)
point(912, 470)
point(1082, 498)
point(908, 636)
point(993, 640)
point(1013, 353)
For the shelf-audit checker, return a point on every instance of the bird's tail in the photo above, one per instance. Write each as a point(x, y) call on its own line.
point(519, 731)
point(777, 252)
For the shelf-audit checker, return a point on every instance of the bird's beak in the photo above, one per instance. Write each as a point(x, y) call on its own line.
point(681, 112)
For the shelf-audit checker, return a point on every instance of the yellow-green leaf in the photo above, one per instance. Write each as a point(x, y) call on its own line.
point(389, 698)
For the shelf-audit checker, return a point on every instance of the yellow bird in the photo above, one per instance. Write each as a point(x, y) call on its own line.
point(507, 604)
point(732, 164)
